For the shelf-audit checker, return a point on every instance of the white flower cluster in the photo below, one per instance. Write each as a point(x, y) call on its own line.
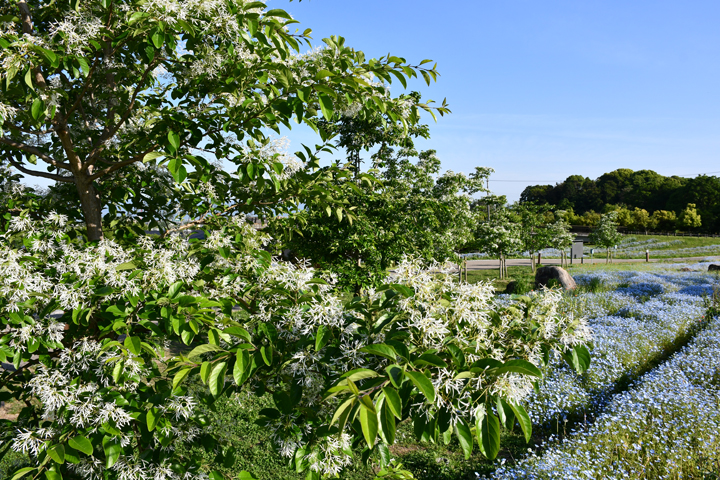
point(296, 303)
point(76, 29)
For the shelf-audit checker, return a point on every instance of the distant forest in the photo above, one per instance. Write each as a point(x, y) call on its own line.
point(585, 198)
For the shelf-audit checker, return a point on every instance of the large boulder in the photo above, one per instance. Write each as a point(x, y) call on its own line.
point(713, 267)
point(545, 274)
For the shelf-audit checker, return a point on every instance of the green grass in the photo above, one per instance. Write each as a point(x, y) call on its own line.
point(515, 273)
point(687, 242)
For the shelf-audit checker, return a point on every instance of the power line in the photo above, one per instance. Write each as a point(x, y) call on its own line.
point(539, 182)
point(519, 181)
point(696, 174)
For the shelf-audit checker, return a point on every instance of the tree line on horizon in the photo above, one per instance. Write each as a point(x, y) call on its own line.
point(644, 199)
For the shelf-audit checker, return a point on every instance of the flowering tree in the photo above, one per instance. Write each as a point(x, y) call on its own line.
point(86, 327)
point(92, 88)
point(606, 235)
point(500, 236)
point(560, 238)
point(533, 233)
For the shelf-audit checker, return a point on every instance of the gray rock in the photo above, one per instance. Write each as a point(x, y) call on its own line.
point(713, 267)
point(545, 274)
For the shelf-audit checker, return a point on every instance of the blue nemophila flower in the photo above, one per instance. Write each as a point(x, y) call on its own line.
point(665, 424)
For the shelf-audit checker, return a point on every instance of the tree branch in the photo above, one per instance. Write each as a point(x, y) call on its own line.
point(51, 176)
point(34, 151)
point(28, 132)
point(27, 27)
point(92, 156)
point(117, 165)
point(83, 91)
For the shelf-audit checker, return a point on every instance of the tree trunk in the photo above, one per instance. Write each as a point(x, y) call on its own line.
point(91, 207)
point(532, 261)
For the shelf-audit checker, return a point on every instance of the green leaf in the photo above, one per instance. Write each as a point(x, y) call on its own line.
point(581, 358)
point(152, 156)
point(395, 373)
point(152, 416)
point(174, 289)
point(342, 410)
point(387, 423)
point(51, 475)
point(81, 444)
point(523, 419)
point(462, 429)
point(158, 38)
point(245, 475)
point(28, 78)
point(266, 352)
point(84, 67)
point(430, 359)
point(200, 349)
point(216, 381)
point(177, 169)
point(238, 332)
point(326, 106)
point(22, 472)
point(205, 369)
point(125, 266)
point(519, 366)
point(278, 13)
point(57, 453)
point(322, 337)
point(359, 374)
point(71, 455)
point(507, 417)
point(251, 170)
point(133, 344)
point(488, 432)
point(174, 140)
point(38, 107)
point(180, 376)
point(380, 349)
point(369, 425)
point(241, 370)
point(423, 384)
point(112, 450)
point(392, 399)
point(403, 290)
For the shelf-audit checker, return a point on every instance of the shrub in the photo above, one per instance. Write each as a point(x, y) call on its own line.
point(105, 399)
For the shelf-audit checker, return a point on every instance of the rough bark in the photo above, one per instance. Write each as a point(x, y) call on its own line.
point(91, 207)
point(89, 196)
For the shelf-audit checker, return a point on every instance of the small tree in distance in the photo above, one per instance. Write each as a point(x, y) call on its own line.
point(606, 234)
point(560, 238)
point(533, 233)
point(500, 236)
point(689, 218)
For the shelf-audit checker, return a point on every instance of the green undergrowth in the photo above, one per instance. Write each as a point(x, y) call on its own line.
point(234, 418)
point(519, 274)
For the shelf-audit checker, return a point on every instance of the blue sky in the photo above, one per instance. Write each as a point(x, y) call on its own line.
point(543, 90)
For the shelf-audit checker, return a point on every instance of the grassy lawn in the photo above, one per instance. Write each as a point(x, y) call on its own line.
point(515, 273)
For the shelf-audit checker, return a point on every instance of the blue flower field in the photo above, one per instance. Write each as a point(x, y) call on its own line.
point(649, 405)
